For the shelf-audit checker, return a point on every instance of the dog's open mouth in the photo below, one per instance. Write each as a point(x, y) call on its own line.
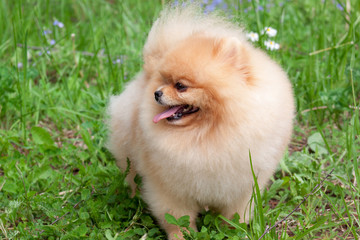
point(175, 113)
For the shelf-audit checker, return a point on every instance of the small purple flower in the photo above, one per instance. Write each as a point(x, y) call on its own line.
point(42, 52)
point(209, 8)
point(59, 24)
point(52, 42)
point(19, 65)
point(46, 32)
point(260, 8)
point(340, 7)
point(118, 61)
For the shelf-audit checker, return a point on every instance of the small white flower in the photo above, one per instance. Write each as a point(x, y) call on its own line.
point(271, 32)
point(271, 45)
point(254, 37)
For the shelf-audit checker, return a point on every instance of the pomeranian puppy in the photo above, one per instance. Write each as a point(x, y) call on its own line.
point(203, 101)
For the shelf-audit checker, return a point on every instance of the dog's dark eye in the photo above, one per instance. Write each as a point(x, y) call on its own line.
point(180, 87)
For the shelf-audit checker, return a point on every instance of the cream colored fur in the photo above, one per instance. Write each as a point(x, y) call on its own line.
point(202, 160)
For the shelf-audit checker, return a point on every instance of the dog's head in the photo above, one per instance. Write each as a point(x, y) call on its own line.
point(194, 80)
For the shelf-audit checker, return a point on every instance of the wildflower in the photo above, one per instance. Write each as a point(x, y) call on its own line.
point(20, 65)
point(47, 52)
point(260, 8)
point(59, 24)
point(269, 6)
point(46, 32)
point(271, 32)
point(340, 7)
point(52, 42)
point(271, 45)
point(209, 8)
point(117, 61)
point(254, 37)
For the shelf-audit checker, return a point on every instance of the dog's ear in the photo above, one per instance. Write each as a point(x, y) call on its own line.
point(228, 49)
point(233, 52)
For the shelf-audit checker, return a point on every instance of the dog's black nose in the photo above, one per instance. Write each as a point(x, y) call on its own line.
point(158, 95)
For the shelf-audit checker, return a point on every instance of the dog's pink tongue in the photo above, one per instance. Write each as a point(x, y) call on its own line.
point(166, 114)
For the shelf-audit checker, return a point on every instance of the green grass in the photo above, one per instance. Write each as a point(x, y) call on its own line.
point(58, 181)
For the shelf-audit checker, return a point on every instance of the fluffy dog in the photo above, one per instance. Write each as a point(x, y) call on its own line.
point(204, 99)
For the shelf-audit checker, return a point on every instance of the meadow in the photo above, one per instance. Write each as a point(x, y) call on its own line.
point(61, 60)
